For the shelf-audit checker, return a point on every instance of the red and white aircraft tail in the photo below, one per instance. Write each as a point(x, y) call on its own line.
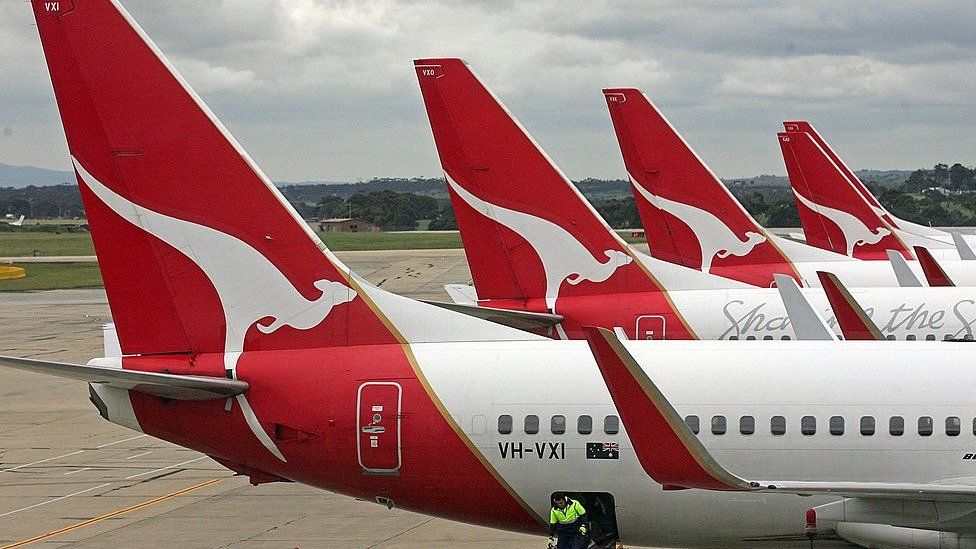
point(203, 260)
point(689, 215)
point(833, 213)
point(530, 237)
point(527, 231)
point(897, 223)
point(844, 204)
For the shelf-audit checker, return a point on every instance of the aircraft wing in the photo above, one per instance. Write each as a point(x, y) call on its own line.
point(521, 320)
point(806, 321)
point(965, 252)
point(177, 387)
point(462, 293)
point(933, 272)
point(853, 320)
point(672, 454)
point(903, 273)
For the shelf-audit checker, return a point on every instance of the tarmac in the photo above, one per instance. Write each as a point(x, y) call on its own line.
point(68, 478)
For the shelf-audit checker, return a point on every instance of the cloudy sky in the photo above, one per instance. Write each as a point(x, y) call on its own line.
point(324, 90)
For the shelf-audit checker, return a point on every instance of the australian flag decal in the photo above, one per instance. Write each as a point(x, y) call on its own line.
point(602, 450)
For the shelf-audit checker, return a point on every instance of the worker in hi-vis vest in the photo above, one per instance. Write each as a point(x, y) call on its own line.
point(567, 519)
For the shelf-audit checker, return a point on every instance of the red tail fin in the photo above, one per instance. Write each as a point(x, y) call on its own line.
point(689, 215)
point(527, 231)
point(933, 272)
point(805, 127)
point(198, 250)
point(854, 322)
point(834, 215)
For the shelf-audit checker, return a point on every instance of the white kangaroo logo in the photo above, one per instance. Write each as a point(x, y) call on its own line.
point(249, 286)
point(715, 238)
point(856, 233)
point(563, 256)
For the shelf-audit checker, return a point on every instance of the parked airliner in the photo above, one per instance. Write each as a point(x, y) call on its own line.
point(243, 337)
point(691, 218)
point(839, 213)
point(534, 244)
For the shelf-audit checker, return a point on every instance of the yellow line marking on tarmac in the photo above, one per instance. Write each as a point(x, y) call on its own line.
point(112, 514)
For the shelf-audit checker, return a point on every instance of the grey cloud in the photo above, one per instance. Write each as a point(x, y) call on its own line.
point(326, 90)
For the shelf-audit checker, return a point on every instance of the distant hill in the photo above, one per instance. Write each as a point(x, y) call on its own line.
point(23, 176)
point(312, 191)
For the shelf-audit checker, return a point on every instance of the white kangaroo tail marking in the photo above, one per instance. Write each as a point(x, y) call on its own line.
point(249, 286)
point(563, 256)
point(715, 238)
point(856, 233)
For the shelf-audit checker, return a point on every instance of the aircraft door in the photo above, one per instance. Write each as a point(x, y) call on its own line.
point(650, 327)
point(378, 442)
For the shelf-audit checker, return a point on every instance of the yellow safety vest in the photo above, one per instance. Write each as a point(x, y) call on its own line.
point(570, 514)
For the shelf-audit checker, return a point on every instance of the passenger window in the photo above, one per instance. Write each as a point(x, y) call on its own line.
point(505, 425)
point(953, 426)
point(867, 426)
point(925, 426)
point(808, 425)
point(750, 338)
point(611, 425)
point(777, 425)
point(584, 425)
point(930, 337)
point(718, 425)
point(896, 426)
point(531, 425)
point(558, 425)
point(890, 337)
point(836, 425)
point(786, 338)
point(910, 337)
point(767, 338)
point(693, 423)
point(747, 425)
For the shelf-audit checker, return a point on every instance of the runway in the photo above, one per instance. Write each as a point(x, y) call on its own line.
point(68, 478)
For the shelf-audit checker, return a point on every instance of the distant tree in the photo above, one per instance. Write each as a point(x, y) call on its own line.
point(941, 175)
point(900, 204)
point(330, 206)
point(783, 214)
point(445, 220)
point(960, 177)
point(391, 210)
point(918, 181)
point(620, 213)
point(755, 204)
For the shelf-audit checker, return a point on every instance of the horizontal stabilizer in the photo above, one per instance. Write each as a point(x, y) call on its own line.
point(854, 322)
point(666, 447)
point(522, 320)
point(671, 453)
point(933, 272)
point(462, 293)
point(806, 321)
point(177, 387)
point(965, 251)
point(903, 273)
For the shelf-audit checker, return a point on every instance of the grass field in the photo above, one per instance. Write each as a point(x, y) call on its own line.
point(48, 276)
point(21, 244)
point(16, 244)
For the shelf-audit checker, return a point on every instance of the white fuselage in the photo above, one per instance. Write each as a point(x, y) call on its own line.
point(478, 382)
